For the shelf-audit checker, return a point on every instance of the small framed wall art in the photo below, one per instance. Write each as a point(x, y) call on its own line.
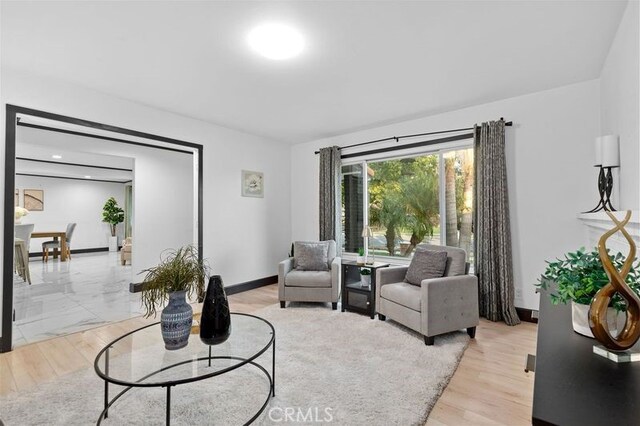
point(252, 184)
point(34, 200)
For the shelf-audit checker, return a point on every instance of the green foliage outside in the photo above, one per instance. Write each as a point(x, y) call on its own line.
point(404, 199)
point(580, 275)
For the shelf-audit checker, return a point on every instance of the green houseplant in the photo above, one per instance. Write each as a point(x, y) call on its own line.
point(112, 214)
point(578, 277)
point(360, 258)
point(179, 274)
point(365, 277)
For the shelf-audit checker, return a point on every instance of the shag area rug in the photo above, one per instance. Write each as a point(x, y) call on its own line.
point(331, 367)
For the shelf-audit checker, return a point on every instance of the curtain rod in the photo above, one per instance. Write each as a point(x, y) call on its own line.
point(397, 138)
point(410, 145)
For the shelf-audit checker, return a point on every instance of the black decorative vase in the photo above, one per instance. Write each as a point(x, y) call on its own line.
point(215, 322)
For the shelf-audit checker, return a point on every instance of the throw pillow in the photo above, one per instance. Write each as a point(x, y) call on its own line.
point(311, 256)
point(426, 264)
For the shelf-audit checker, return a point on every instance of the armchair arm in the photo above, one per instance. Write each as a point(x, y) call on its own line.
point(284, 268)
point(449, 303)
point(389, 275)
point(392, 274)
point(335, 279)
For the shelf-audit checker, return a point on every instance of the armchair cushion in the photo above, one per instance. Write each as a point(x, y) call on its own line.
point(311, 256)
point(456, 259)
point(297, 278)
point(404, 294)
point(426, 264)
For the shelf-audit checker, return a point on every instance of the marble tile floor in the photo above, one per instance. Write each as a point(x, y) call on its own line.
point(91, 289)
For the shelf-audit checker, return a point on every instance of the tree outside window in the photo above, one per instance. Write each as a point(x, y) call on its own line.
point(404, 203)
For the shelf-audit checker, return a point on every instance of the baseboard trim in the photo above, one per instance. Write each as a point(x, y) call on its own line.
point(527, 315)
point(78, 251)
point(135, 287)
point(231, 289)
point(250, 285)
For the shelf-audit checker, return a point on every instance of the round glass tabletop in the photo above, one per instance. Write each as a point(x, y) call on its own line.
point(140, 359)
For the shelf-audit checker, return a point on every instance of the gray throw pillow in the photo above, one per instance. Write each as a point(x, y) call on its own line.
point(311, 256)
point(426, 264)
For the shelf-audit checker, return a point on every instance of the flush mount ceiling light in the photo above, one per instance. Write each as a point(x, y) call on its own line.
point(56, 156)
point(87, 177)
point(276, 41)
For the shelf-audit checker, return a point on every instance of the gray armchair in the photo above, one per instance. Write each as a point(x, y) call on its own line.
point(438, 305)
point(310, 286)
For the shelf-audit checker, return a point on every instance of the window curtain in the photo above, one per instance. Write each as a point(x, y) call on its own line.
point(493, 261)
point(128, 210)
point(329, 193)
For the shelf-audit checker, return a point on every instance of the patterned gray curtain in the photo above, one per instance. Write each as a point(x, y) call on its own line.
point(329, 192)
point(493, 263)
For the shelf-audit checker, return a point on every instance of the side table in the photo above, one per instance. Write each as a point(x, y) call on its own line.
point(355, 297)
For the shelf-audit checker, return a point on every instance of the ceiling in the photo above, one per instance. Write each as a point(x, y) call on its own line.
point(35, 148)
point(365, 63)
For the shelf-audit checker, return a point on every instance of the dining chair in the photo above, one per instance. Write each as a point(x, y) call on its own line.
point(24, 231)
point(22, 234)
point(53, 244)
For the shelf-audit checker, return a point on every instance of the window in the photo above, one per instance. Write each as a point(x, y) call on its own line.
point(352, 184)
point(427, 198)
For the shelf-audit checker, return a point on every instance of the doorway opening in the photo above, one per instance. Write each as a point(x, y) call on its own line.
point(149, 153)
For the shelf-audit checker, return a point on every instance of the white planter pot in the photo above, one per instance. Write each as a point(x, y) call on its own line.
point(365, 280)
point(113, 243)
point(580, 319)
point(360, 260)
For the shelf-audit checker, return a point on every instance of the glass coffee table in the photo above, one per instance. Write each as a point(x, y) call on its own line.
point(138, 359)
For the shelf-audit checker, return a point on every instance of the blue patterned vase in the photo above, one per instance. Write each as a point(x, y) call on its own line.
point(176, 320)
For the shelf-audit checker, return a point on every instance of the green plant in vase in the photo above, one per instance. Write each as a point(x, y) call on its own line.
point(365, 277)
point(578, 277)
point(360, 259)
point(180, 274)
point(112, 214)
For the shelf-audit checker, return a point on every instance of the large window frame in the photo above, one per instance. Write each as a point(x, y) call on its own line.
point(364, 161)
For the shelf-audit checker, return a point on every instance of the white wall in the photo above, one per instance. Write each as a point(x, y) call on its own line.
point(549, 171)
point(244, 238)
point(68, 201)
point(619, 104)
point(163, 194)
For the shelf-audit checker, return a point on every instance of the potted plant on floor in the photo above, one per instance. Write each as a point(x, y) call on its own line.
point(578, 277)
point(181, 273)
point(113, 215)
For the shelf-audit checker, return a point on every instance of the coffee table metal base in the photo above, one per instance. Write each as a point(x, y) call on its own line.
point(247, 361)
point(272, 390)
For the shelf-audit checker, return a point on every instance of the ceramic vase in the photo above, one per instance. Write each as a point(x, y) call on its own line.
point(176, 320)
point(580, 319)
point(365, 280)
point(113, 243)
point(215, 322)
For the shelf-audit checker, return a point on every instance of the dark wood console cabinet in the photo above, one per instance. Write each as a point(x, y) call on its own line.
point(574, 386)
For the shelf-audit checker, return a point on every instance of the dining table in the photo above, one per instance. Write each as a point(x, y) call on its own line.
point(57, 236)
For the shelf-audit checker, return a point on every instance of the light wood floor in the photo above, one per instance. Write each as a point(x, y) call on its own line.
point(489, 387)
